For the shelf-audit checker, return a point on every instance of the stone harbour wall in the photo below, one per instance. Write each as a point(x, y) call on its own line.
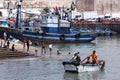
point(114, 27)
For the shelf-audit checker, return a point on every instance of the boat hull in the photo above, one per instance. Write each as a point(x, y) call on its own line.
point(46, 37)
point(71, 67)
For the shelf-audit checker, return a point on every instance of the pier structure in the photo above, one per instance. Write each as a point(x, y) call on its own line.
point(6, 53)
point(112, 26)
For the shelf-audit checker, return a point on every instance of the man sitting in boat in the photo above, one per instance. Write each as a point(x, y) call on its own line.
point(94, 57)
point(76, 59)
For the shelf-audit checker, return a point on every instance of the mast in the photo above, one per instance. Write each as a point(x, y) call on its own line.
point(111, 8)
point(18, 17)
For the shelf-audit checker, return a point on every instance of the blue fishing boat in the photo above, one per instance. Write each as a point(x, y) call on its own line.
point(46, 36)
point(51, 29)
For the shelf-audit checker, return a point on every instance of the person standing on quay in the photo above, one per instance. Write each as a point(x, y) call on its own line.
point(43, 50)
point(8, 43)
point(5, 37)
point(24, 44)
point(50, 48)
point(1, 43)
point(27, 44)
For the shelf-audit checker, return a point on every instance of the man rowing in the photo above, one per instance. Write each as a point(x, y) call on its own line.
point(94, 57)
point(76, 59)
point(100, 63)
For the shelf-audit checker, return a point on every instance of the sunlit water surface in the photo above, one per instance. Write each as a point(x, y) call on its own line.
point(49, 67)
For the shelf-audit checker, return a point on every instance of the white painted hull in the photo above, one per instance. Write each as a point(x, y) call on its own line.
point(87, 68)
point(69, 67)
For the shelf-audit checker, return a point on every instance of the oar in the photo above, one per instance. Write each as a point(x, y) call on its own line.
point(85, 59)
point(98, 64)
point(102, 66)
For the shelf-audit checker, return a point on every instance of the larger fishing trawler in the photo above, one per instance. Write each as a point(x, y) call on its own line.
point(48, 28)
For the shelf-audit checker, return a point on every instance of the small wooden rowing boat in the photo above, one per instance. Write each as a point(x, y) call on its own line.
point(71, 67)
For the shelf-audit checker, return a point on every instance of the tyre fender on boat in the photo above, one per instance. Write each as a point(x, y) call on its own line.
point(77, 35)
point(36, 33)
point(62, 37)
point(43, 34)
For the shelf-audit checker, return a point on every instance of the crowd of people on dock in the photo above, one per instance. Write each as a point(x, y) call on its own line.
point(6, 43)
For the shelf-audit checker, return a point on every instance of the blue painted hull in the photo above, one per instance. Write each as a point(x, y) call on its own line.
point(62, 30)
point(46, 37)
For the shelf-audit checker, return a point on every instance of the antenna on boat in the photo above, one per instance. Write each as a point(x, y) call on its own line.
point(18, 17)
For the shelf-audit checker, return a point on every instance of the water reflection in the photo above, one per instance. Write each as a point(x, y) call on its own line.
point(61, 46)
point(84, 76)
point(50, 68)
point(72, 47)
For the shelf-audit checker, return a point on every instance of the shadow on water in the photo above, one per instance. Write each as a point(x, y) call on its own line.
point(84, 75)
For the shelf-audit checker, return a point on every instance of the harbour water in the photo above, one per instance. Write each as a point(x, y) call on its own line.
point(49, 67)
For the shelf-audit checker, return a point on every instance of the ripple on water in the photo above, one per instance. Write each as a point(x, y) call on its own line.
point(49, 67)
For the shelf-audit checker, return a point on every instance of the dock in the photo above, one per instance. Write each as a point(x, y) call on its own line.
point(112, 26)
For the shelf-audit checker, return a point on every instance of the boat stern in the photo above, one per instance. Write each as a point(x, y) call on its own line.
point(70, 67)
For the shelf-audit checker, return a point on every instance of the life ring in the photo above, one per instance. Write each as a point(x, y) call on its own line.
point(62, 37)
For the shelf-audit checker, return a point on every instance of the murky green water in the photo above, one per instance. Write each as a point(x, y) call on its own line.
point(49, 67)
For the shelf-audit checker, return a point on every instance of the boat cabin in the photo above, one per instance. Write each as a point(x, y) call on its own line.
point(52, 24)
